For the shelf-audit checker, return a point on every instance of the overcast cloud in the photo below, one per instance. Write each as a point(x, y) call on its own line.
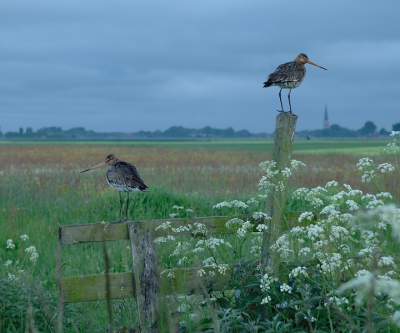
point(134, 65)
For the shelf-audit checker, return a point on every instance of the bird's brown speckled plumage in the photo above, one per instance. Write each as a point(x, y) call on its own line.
point(123, 177)
point(289, 76)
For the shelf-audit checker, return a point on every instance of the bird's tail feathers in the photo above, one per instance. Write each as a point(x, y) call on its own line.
point(267, 84)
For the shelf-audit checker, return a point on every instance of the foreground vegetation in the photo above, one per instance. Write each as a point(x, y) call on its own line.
point(41, 188)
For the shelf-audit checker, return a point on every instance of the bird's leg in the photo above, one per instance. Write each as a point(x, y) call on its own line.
point(291, 103)
point(126, 209)
point(280, 98)
point(120, 205)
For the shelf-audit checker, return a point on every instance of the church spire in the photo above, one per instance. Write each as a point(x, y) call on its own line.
point(326, 121)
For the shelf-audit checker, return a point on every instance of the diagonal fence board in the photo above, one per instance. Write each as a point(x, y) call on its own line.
point(114, 231)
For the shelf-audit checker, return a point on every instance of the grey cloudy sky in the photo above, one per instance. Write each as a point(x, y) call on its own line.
point(145, 65)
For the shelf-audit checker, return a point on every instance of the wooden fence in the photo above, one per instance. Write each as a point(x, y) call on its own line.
point(143, 282)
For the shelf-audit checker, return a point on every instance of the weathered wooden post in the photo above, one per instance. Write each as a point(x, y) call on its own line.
point(145, 275)
point(276, 200)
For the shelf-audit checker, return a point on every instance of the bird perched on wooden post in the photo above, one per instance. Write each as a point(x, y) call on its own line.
point(123, 177)
point(289, 76)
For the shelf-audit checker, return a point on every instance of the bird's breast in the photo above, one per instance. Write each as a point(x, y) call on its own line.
point(288, 84)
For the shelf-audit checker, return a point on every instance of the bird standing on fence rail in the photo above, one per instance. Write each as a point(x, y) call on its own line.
point(123, 177)
point(289, 76)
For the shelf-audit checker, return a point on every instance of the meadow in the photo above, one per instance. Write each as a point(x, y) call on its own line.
point(41, 189)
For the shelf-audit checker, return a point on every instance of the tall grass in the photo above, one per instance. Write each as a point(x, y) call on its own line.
point(41, 189)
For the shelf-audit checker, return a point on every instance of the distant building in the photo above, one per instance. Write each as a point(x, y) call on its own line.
point(326, 121)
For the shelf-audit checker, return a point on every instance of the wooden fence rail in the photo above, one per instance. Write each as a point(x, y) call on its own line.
point(142, 282)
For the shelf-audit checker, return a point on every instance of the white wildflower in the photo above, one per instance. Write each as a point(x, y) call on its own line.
point(265, 283)
point(352, 205)
point(209, 262)
point(244, 229)
point(182, 260)
point(182, 228)
point(298, 271)
point(305, 251)
point(222, 268)
point(368, 176)
point(295, 164)
point(365, 164)
point(386, 261)
point(396, 318)
point(234, 203)
point(165, 225)
point(160, 240)
point(354, 193)
point(315, 232)
point(261, 227)
point(282, 246)
point(300, 193)
point(339, 232)
point(385, 167)
point(391, 149)
point(24, 237)
point(234, 223)
point(332, 183)
point(181, 249)
point(8, 263)
point(374, 204)
point(34, 256)
point(386, 195)
point(266, 300)
point(308, 216)
point(285, 288)
point(286, 172)
point(261, 216)
point(347, 187)
point(10, 244)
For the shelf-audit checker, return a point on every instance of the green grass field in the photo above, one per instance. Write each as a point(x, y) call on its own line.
point(316, 146)
point(41, 189)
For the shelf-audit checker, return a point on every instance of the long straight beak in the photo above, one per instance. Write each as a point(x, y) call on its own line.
point(313, 63)
point(96, 166)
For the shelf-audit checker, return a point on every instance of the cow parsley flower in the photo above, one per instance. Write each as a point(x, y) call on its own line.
point(284, 288)
point(298, 271)
point(386, 261)
point(368, 176)
point(385, 167)
point(32, 251)
point(365, 164)
point(332, 183)
point(9, 244)
point(308, 216)
point(296, 164)
point(352, 205)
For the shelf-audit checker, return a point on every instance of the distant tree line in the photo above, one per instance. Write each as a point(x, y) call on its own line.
point(369, 129)
point(172, 132)
point(335, 131)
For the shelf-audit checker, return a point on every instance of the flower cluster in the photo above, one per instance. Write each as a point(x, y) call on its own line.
point(18, 262)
